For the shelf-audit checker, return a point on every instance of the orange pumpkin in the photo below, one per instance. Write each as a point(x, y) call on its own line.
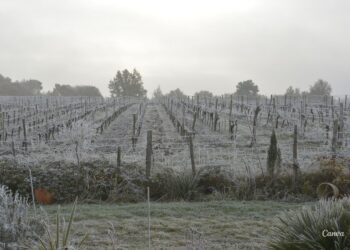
point(43, 196)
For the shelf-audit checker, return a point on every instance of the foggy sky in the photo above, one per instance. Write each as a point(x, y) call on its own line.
point(192, 45)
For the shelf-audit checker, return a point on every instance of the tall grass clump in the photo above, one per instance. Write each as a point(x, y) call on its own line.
point(14, 219)
point(170, 185)
point(182, 186)
point(325, 225)
point(62, 237)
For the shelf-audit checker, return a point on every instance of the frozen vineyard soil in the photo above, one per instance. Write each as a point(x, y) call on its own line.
point(37, 130)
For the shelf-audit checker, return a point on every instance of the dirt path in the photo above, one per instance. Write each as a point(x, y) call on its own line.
point(119, 133)
point(168, 145)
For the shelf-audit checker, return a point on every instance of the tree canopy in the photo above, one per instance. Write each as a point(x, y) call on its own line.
point(293, 91)
point(320, 87)
point(247, 87)
point(126, 83)
point(157, 93)
point(177, 93)
point(82, 90)
point(19, 88)
point(203, 94)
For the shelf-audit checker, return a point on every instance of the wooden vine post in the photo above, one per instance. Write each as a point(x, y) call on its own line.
point(193, 165)
point(24, 135)
point(255, 123)
point(2, 124)
point(345, 103)
point(119, 157)
point(171, 107)
point(230, 120)
point(133, 139)
point(13, 150)
point(302, 116)
point(216, 116)
point(231, 103)
point(296, 169)
point(194, 120)
point(332, 106)
point(285, 102)
point(335, 139)
point(149, 154)
point(183, 120)
point(341, 124)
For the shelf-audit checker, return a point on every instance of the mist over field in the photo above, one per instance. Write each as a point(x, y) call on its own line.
point(191, 45)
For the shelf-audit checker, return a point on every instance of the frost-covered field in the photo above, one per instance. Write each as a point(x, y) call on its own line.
point(44, 129)
point(41, 134)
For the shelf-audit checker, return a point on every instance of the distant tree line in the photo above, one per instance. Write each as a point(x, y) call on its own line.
point(249, 88)
point(320, 87)
point(19, 88)
point(127, 83)
point(68, 90)
point(34, 88)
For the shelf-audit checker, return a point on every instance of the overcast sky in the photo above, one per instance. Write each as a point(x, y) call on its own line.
point(192, 45)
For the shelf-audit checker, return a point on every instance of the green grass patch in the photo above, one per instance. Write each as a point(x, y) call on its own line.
point(177, 225)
